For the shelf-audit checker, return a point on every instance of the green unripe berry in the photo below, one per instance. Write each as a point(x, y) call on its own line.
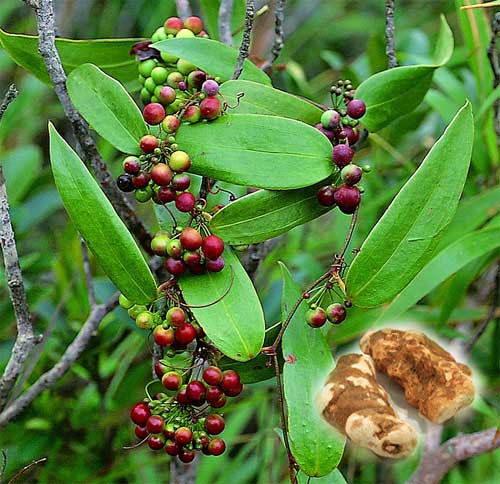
point(142, 195)
point(185, 34)
point(150, 85)
point(145, 96)
point(144, 320)
point(174, 78)
point(159, 75)
point(330, 119)
point(124, 302)
point(168, 58)
point(174, 248)
point(159, 244)
point(159, 34)
point(154, 99)
point(136, 309)
point(367, 168)
point(175, 106)
point(146, 67)
point(141, 79)
point(185, 67)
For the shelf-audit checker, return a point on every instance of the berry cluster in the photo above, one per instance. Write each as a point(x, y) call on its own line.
point(317, 316)
point(188, 249)
point(339, 126)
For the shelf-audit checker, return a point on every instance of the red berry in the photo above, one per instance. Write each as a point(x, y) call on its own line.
point(173, 25)
point(154, 113)
point(148, 143)
point(172, 380)
point(181, 182)
point(316, 317)
point(214, 424)
point(175, 316)
point(213, 394)
point(140, 413)
point(192, 114)
point(195, 24)
point(216, 447)
point(186, 456)
point(342, 155)
point(328, 133)
point(196, 392)
point(212, 247)
point(210, 108)
point(182, 397)
point(169, 431)
point(325, 196)
point(215, 265)
point(131, 165)
point(336, 313)
point(356, 109)
point(197, 269)
point(347, 198)
point(185, 202)
point(352, 134)
point(351, 174)
point(212, 375)
point(166, 195)
point(185, 333)
point(160, 368)
point(141, 432)
point(155, 424)
point(172, 447)
point(183, 436)
point(156, 442)
point(141, 180)
point(167, 95)
point(234, 391)
point(196, 79)
point(161, 174)
point(230, 379)
point(174, 266)
point(191, 239)
point(163, 337)
point(219, 403)
point(192, 259)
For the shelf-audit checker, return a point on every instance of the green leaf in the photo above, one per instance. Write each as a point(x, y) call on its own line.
point(217, 59)
point(392, 93)
point(107, 107)
point(262, 99)
point(95, 218)
point(404, 238)
point(316, 446)
point(235, 323)
point(259, 151)
point(446, 263)
point(111, 55)
point(266, 214)
point(334, 477)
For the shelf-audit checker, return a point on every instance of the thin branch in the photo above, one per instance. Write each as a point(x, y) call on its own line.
point(10, 95)
point(491, 313)
point(88, 272)
point(183, 9)
point(247, 38)
point(72, 353)
point(4, 465)
point(86, 146)
point(279, 35)
point(495, 67)
point(225, 16)
point(27, 468)
point(390, 30)
point(25, 339)
point(435, 465)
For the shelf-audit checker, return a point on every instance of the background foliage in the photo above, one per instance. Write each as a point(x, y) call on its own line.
point(82, 424)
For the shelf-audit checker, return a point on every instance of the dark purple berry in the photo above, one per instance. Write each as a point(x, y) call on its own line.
point(342, 155)
point(215, 265)
point(329, 134)
point(125, 183)
point(210, 87)
point(356, 109)
point(325, 195)
point(347, 198)
point(351, 174)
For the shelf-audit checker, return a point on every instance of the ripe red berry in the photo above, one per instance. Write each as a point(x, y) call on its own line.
point(212, 375)
point(316, 317)
point(351, 174)
point(196, 79)
point(352, 134)
point(336, 313)
point(174, 266)
point(160, 368)
point(163, 336)
point(212, 247)
point(141, 180)
point(185, 202)
point(172, 380)
point(175, 316)
point(219, 403)
point(185, 333)
point(230, 379)
point(213, 394)
point(186, 456)
point(192, 114)
point(196, 392)
point(181, 182)
point(140, 413)
point(166, 195)
point(210, 108)
point(183, 436)
point(214, 424)
point(191, 239)
point(215, 265)
point(347, 198)
point(148, 143)
point(154, 113)
point(172, 447)
point(156, 442)
point(141, 432)
point(195, 24)
point(192, 259)
point(131, 165)
point(342, 155)
point(155, 424)
point(216, 447)
point(234, 391)
point(325, 196)
point(356, 109)
point(161, 174)
point(182, 397)
point(173, 25)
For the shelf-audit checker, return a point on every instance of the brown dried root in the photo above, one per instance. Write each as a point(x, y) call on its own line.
point(359, 407)
point(432, 380)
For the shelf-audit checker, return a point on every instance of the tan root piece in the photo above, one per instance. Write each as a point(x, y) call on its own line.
point(359, 407)
point(432, 379)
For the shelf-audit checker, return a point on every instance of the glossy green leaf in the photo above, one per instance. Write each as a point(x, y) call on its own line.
point(447, 262)
point(316, 446)
point(235, 324)
point(217, 59)
point(259, 151)
point(265, 214)
point(403, 240)
point(395, 92)
point(95, 218)
point(262, 99)
point(107, 107)
point(334, 477)
point(111, 55)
